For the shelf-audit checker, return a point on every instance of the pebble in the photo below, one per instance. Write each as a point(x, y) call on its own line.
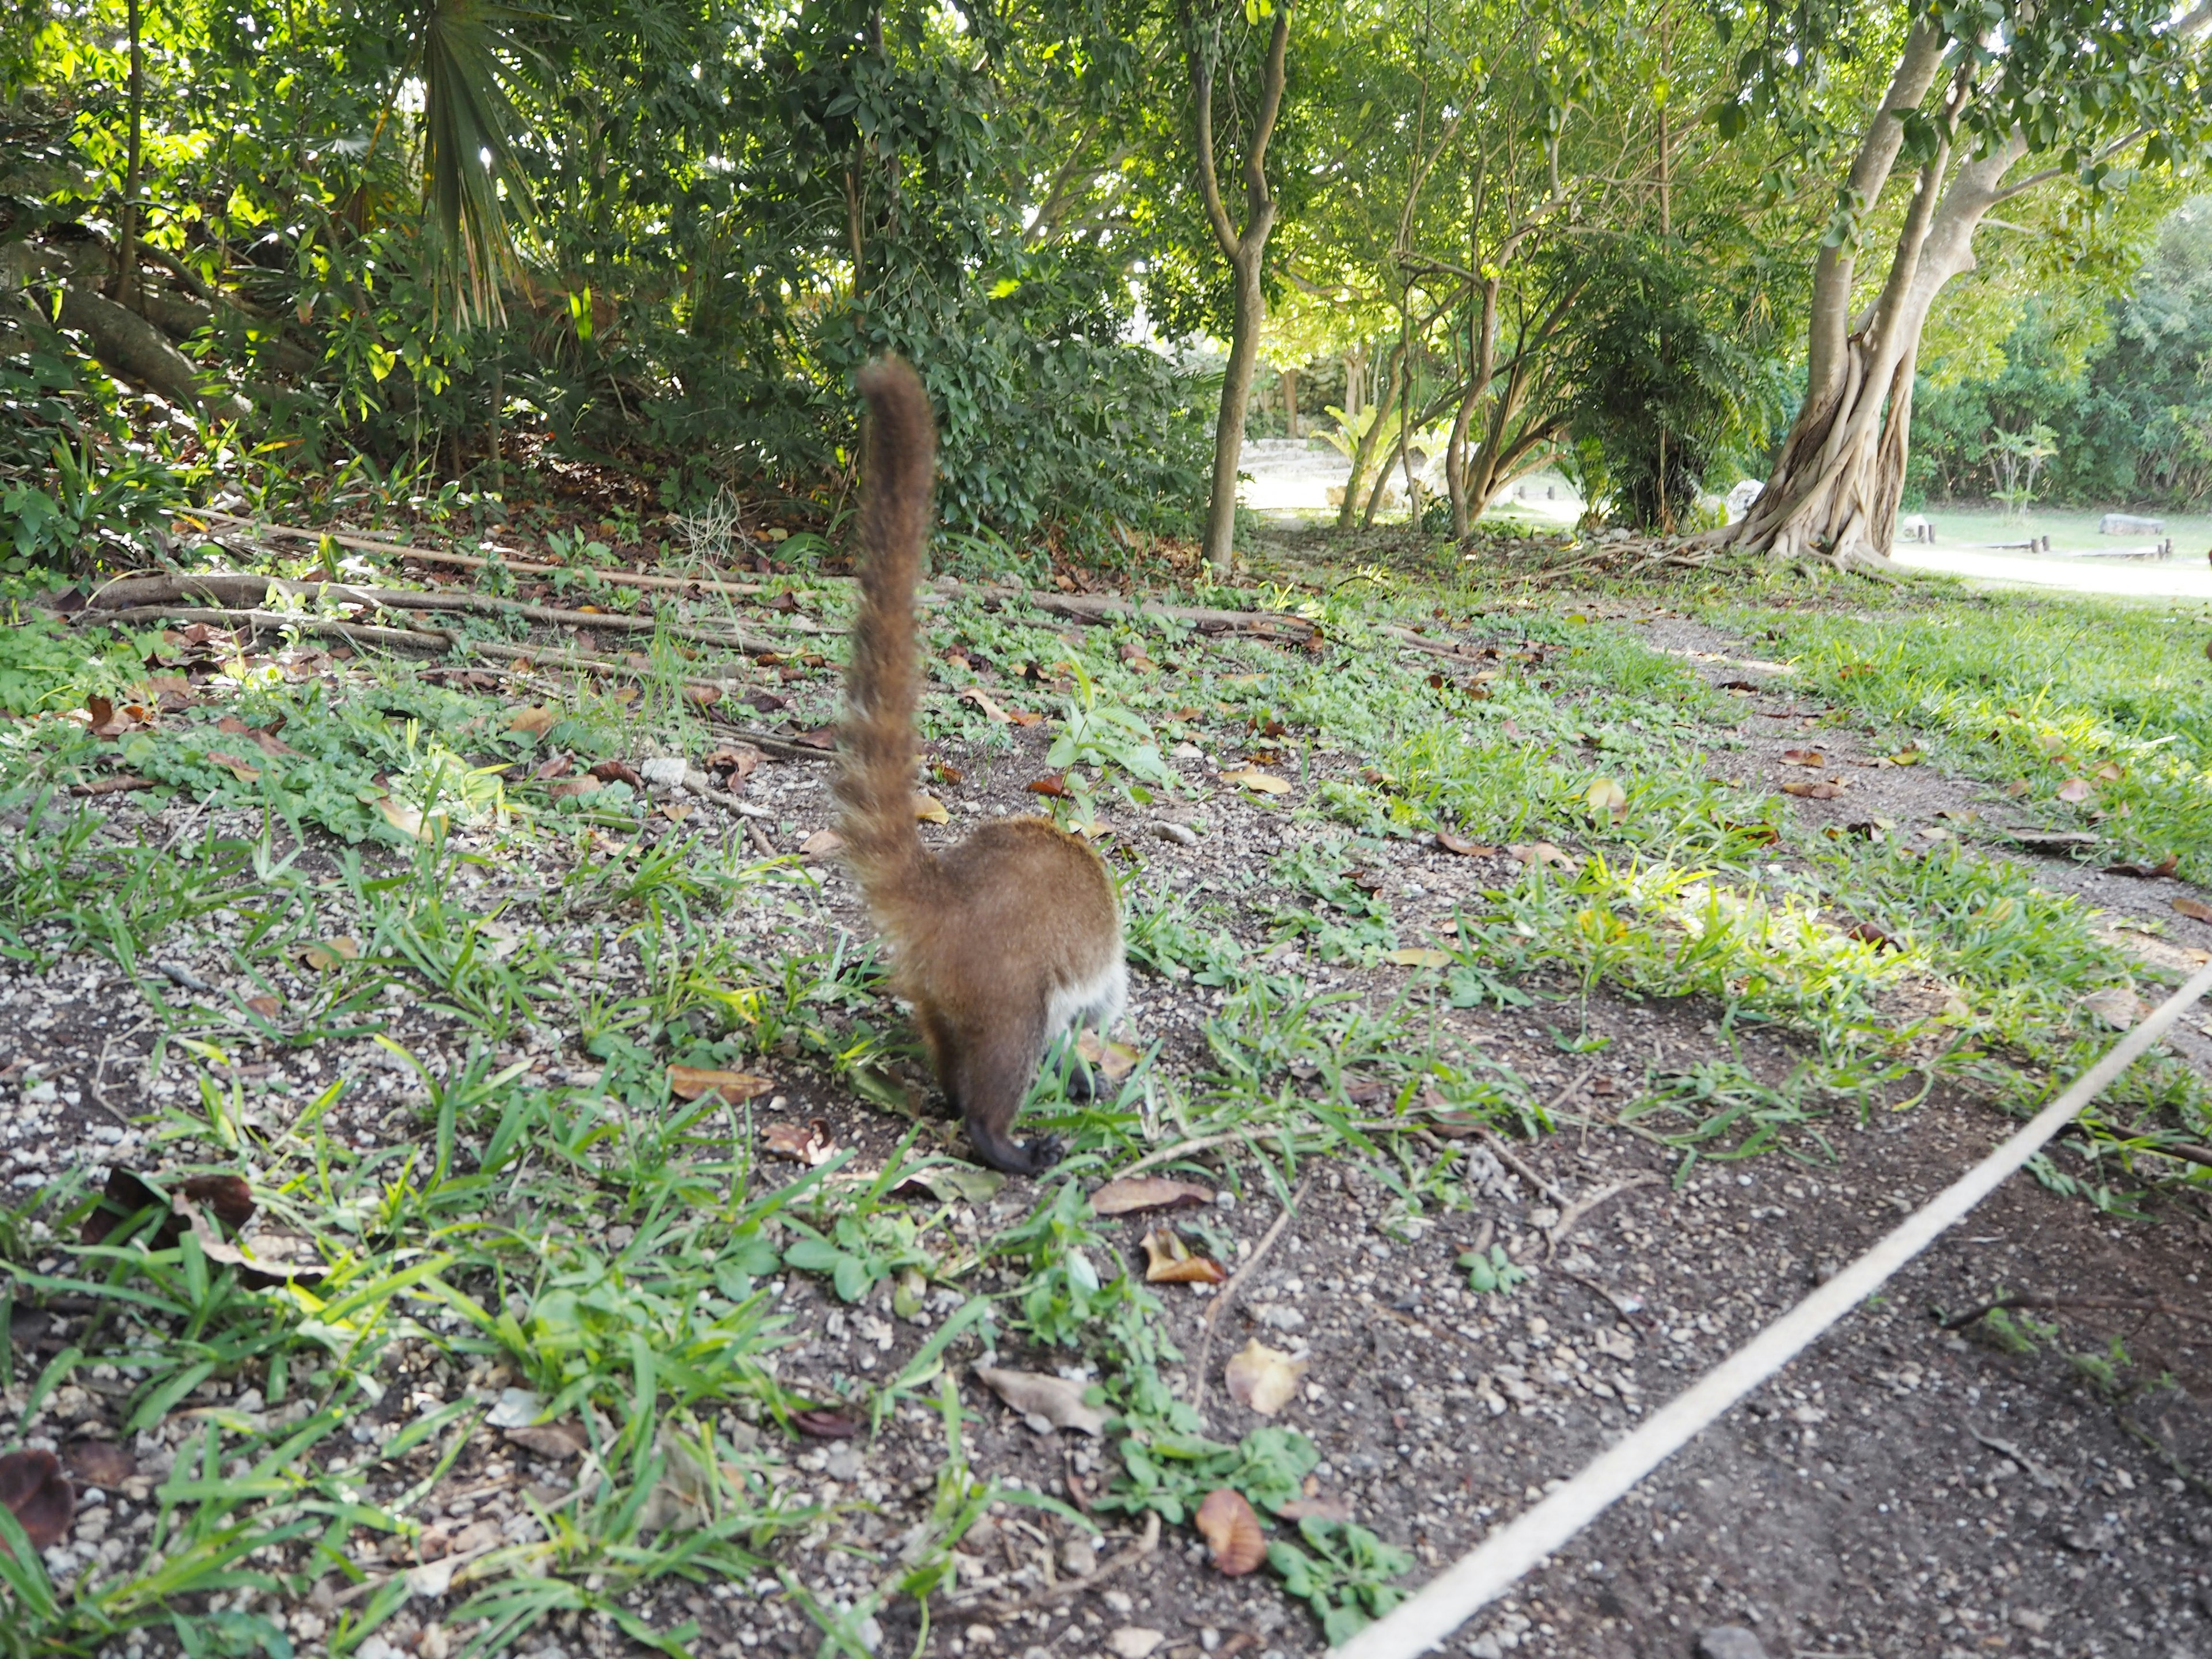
point(1181, 834)
point(1729, 1642)
point(663, 771)
point(1078, 1558)
point(843, 1464)
point(1134, 1642)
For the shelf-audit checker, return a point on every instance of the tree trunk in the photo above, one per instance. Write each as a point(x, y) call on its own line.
point(1246, 249)
point(1251, 312)
point(1484, 369)
point(134, 349)
point(1291, 403)
point(1835, 488)
point(1363, 453)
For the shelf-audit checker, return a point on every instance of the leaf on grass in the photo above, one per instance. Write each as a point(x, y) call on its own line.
point(2076, 789)
point(1055, 1399)
point(324, 954)
point(1318, 1509)
point(2017, 788)
point(101, 1463)
point(1418, 957)
point(1605, 798)
point(267, 1007)
point(39, 1495)
point(826, 1423)
point(1911, 755)
point(2165, 866)
point(534, 721)
point(1803, 757)
point(546, 771)
point(927, 809)
point(1168, 1260)
point(2108, 772)
point(558, 1441)
point(1054, 785)
point(573, 788)
point(616, 771)
point(1464, 847)
point(821, 844)
point(1258, 783)
point(740, 760)
point(822, 737)
point(2195, 909)
point(262, 739)
point(1232, 1531)
point(237, 768)
point(988, 706)
point(1113, 1061)
point(1263, 1379)
point(407, 817)
point(1128, 1195)
point(807, 1143)
point(2116, 1005)
point(1825, 791)
point(1527, 854)
point(690, 1082)
point(950, 1183)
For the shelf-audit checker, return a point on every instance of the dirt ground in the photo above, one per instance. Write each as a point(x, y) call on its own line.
point(1903, 1490)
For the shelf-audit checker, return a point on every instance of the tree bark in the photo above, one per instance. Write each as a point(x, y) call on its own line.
point(1290, 403)
point(126, 259)
point(1363, 453)
point(1246, 249)
point(133, 348)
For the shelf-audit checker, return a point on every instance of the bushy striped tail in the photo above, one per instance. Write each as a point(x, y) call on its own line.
point(899, 460)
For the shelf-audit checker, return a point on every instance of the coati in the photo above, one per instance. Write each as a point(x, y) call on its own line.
point(1004, 941)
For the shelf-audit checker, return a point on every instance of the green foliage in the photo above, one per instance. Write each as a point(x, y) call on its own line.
point(1345, 1578)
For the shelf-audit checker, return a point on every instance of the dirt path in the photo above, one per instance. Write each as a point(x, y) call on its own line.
point(1904, 1490)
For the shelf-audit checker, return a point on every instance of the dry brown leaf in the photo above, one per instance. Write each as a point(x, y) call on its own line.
point(1168, 1260)
point(570, 788)
point(1053, 786)
point(1114, 1060)
point(1264, 1378)
point(101, 1463)
point(2076, 789)
point(2017, 788)
point(1232, 1532)
point(690, 1082)
point(1463, 846)
point(807, 1143)
point(558, 1441)
point(821, 844)
point(237, 768)
point(2116, 1005)
point(1803, 757)
point(1527, 853)
point(536, 721)
point(984, 701)
point(1827, 791)
point(324, 954)
point(39, 1495)
point(927, 809)
point(1323, 1509)
point(267, 1007)
point(1258, 783)
point(2195, 909)
point(1055, 1399)
point(1128, 1195)
point(2165, 866)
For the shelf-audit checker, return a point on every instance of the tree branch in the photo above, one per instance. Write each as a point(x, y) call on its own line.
point(1257, 198)
point(1209, 180)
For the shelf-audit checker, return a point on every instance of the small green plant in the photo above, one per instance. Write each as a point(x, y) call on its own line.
point(1491, 1272)
point(1345, 1578)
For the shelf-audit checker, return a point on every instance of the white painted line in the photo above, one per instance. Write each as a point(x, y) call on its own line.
point(1494, 1567)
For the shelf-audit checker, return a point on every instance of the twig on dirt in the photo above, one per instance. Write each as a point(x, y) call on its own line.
point(2037, 1470)
point(1513, 1161)
point(1146, 1544)
point(1576, 1212)
point(1181, 1149)
point(760, 840)
point(2164, 1453)
point(406, 639)
point(2121, 1303)
point(1236, 1284)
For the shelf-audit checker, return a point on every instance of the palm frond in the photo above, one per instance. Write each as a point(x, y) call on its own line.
point(471, 56)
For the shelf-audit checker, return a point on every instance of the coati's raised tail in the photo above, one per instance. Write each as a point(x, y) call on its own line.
point(1003, 941)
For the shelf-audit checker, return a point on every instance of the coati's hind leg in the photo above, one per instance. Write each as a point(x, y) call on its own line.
point(988, 1077)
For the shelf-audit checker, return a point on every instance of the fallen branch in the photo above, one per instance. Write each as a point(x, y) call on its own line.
point(1101, 607)
point(1220, 1305)
point(405, 639)
point(1580, 1209)
point(1149, 1541)
point(244, 587)
point(1513, 1161)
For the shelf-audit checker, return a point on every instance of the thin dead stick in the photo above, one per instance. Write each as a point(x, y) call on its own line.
point(1575, 1213)
point(405, 639)
point(1512, 1160)
point(2119, 1303)
point(1135, 1552)
point(1185, 1148)
point(1236, 1284)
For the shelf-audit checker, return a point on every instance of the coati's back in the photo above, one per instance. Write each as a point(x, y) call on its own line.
point(1005, 939)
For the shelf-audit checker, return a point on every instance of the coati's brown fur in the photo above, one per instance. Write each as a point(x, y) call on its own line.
point(1003, 941)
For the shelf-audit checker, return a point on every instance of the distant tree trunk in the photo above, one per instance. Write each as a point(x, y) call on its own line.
point(1364, 451)
point(1484, 369)
point(1837, 483)
point(1290, 402)
point(1247, 252)
point(1355, 366)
